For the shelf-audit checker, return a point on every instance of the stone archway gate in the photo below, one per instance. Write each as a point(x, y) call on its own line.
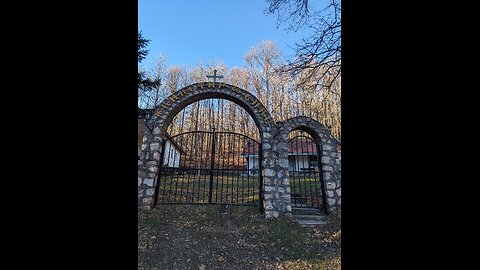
point(273, 136)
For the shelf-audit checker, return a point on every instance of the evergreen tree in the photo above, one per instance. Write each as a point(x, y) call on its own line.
point(145, 84)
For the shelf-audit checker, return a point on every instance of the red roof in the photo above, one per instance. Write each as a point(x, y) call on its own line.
point(251, 148)
point(297, 145)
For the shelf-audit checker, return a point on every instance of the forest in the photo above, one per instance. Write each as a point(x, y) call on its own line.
point(315, 94)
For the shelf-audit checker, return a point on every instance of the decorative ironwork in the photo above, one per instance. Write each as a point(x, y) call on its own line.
point(214, 76)
point(208, 167)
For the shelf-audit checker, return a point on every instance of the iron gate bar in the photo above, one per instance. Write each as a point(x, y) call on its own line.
point(171, 183)
point(188, 166)
point(211, 168)
point(178, 174)
point(194, 171)
point(198, 188)
point(216, 186)
point(320, 170)
point(189, 175)
point(232, 169)
point(319, 165)
point(229, 187)
point(243, 174)
point(157, 187)
point(174, 159)
point(310, 174)
point(260, 168)
point(248, 177)
point(206, 158)
point(171, 179)
point(222, 189)
point(228, 162)
point(306, 174)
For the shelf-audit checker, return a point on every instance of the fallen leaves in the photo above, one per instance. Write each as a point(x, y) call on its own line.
point(239, 240)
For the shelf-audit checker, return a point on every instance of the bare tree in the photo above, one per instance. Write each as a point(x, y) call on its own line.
point(320, 53)
point(261, 62)
point(283, 97)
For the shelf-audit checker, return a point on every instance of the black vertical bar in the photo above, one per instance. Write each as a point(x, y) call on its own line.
point(228, 161)
point(230, 168)
point(315, 173)
point(189, 168)
point(260, 177)
point(234, 171)
point(181, 170)
point(206, 165)
point(194, 170)
point(171, 170)
point(322, 186)
point(220, 169)
point(291, 179)
point(248, 169)
point(199, 157)
point(211, 168)
point(312, 197)
point(157, 187)
point(165, 172)
point(304, 174)
point(295, 170)
point(225, 153)
point(244, 148)
point(229, 174)
point(218, 154)
point(176, 169)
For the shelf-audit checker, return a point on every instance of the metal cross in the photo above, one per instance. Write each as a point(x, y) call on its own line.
point(215, 76)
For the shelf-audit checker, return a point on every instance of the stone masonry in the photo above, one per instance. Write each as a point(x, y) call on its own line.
point(329, 159)
point(276, 190)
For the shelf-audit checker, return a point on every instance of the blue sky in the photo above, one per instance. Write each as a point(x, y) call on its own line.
point(188, 32)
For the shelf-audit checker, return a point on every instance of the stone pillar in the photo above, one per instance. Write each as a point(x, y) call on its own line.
point(148, 167)
point(282, 171)
point(275, 177)
point(331, 168)
point(268, 174)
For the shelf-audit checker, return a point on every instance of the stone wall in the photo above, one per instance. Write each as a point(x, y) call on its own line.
point(329, 159)
point(276, 189)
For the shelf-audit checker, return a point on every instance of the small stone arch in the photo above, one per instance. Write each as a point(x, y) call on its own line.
point(165, 112)
point(329, 159)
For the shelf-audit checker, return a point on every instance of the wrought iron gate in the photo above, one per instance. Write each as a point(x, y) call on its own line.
point(203, 167)
point(305, 174)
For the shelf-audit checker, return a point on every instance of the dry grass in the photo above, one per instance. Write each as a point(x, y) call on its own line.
point(232, 237)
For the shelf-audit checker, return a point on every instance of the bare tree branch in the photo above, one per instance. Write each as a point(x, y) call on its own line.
point(321, 52)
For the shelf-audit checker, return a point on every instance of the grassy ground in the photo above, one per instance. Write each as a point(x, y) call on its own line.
point(195, 189)
point(232, 237)
point(226, 189)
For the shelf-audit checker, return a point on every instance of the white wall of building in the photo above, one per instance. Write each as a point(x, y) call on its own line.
point(297, 163)
point(171, 157)
point(253, 164)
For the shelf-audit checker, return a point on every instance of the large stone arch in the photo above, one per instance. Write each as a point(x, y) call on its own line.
point(330, 159)
point(163, 115)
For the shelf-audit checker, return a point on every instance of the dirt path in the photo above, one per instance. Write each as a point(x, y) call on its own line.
point(219, 237)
